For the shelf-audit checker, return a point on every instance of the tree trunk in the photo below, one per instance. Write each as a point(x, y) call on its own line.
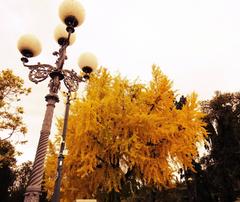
point(113, 196)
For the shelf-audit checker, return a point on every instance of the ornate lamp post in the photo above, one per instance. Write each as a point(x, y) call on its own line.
point(71, 13)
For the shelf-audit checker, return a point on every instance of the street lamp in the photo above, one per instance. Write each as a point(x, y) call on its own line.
point(71, 13)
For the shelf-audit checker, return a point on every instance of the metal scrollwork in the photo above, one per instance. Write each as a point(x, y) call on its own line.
point(39, 72)
point(54, 85)
point(71, 80)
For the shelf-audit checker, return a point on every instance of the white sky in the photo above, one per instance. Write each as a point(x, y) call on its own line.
point(195, 42)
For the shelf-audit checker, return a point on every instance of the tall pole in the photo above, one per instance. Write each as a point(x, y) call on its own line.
point(57, 186)
point(34, 187)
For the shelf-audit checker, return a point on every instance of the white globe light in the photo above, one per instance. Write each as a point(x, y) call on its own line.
point(61, 35)
point(72, 13)
point(87, 62)
point(29, 45)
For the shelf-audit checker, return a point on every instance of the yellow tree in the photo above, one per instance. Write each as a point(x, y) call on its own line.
point(120, 127)
point(11, 90)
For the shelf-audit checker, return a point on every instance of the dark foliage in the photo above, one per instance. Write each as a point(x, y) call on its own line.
point(22, 174)
point(13, 178)
point(7, 162)
point(223, 162)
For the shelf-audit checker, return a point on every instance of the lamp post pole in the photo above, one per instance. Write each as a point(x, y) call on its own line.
point(34, 185)
point(72, 14)
point(57, 186)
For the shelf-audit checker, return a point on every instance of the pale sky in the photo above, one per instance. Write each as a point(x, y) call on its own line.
point(195, 42)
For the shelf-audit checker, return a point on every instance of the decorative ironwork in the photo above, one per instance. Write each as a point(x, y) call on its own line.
point(71, 80)
point(39, 72)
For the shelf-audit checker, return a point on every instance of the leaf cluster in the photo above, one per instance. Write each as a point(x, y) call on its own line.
point(11, 90)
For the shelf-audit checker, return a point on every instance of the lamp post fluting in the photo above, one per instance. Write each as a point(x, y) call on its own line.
point(72, 14)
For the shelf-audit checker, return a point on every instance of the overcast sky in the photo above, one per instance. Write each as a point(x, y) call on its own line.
point(195, 42)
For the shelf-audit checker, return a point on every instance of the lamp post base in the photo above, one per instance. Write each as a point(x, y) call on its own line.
point(32, 194)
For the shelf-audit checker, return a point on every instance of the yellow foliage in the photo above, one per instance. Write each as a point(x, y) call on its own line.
point(51, 168)
point(11, 91)
point(119, 126)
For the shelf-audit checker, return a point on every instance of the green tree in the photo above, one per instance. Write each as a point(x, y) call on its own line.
point(7, 163)
point(11, 90)
point(222, 163)
point(21, 175)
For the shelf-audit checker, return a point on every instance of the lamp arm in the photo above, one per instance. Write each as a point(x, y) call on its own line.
point(39, 72)
point(72, 80)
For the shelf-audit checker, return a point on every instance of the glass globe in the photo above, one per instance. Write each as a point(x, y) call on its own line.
point(29, 45)
point(61, 35)
point(72, 13)
point(87, 62)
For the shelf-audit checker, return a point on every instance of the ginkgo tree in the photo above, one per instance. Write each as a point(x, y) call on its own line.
point(11, 90)
point(121, 127)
